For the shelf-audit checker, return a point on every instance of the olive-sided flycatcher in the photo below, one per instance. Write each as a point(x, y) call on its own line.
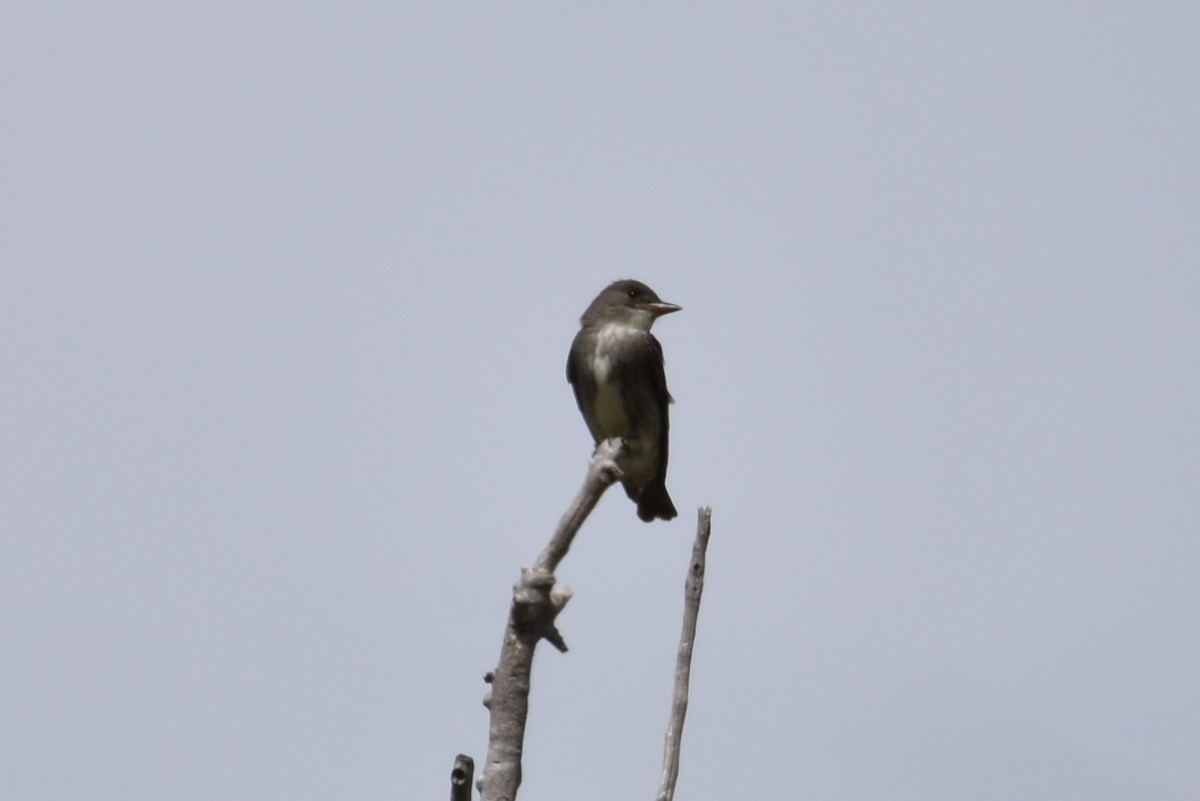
point(616, 368)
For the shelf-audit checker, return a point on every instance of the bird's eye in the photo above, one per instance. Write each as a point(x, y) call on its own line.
point(633, 293)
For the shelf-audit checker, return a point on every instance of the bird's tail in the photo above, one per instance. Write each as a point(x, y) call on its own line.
point(654, 503)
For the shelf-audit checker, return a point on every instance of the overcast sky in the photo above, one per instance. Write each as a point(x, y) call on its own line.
point(286, 293)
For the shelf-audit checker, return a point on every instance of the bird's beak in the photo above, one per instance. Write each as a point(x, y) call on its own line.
point(660, 308)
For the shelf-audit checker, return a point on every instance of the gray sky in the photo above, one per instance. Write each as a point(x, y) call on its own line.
point(285, 301)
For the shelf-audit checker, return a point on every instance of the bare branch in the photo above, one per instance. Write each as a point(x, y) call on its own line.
point(461, 776)
point(602, 472)
point(693, 588)
point(536, 604)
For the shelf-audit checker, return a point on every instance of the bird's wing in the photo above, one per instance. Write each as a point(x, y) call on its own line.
point(642, 369)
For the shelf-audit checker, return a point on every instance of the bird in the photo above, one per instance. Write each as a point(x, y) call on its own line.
point(616, 370)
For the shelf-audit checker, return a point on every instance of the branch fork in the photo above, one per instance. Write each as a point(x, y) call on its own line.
point(537, 601)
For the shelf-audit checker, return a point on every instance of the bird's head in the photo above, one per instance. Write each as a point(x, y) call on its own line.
point(629, 303)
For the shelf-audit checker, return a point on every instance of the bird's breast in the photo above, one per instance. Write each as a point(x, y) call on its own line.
point(611, 416)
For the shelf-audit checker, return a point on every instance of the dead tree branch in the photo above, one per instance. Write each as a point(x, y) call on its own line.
point(461, 776)
point(693, 588)
point(537, 600)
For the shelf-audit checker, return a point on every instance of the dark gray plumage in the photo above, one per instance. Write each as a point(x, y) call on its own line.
point(616, 369)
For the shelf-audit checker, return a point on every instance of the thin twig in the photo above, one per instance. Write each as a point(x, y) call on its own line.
point(536, 603)
point(693, 588)
point(461, 777)
point(602, 473)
